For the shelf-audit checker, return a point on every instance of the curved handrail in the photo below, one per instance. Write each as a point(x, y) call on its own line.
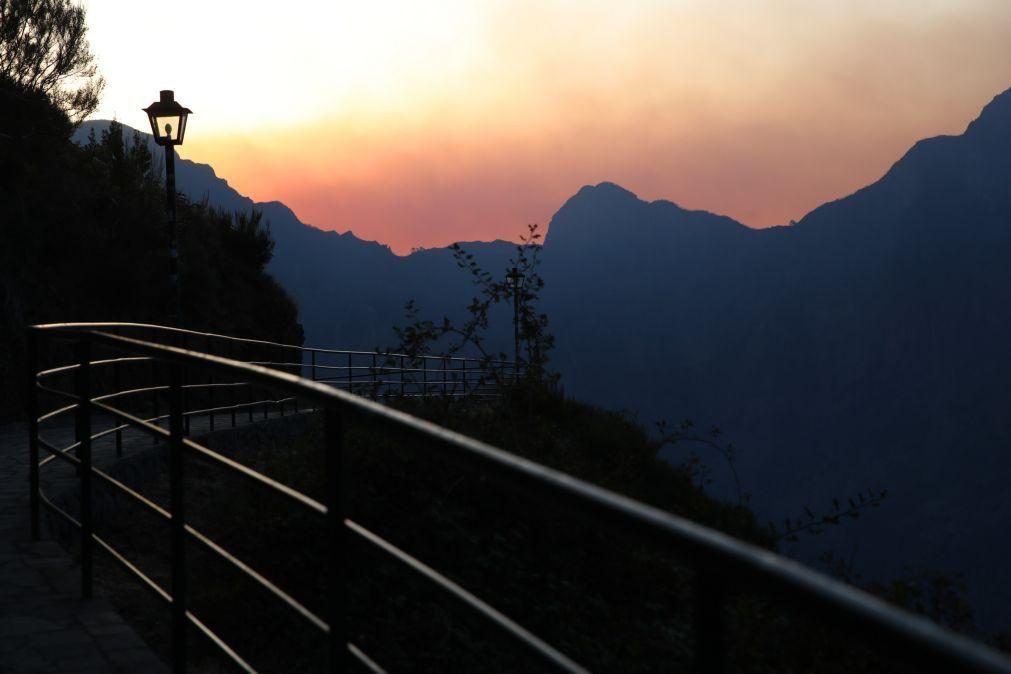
point(258, 342)
point(719, 559)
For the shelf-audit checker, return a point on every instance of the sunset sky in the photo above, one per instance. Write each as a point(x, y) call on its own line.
point(420, 124)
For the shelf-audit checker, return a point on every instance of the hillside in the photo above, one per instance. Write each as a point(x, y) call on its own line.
point(864, 347)
point(611, 600)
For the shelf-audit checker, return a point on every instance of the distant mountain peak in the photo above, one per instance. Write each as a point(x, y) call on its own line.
point(605, 190)
point(995, 117)
point(599, 215)
point(608, 195)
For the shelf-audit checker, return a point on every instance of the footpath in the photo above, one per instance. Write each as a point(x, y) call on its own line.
point(45, 625)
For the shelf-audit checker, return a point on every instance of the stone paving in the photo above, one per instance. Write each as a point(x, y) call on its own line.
point(45, 625)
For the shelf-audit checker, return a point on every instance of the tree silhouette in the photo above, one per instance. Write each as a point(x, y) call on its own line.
point(425, 336)
point(43, 51)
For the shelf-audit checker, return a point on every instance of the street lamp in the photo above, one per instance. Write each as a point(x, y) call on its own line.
point(168, 126)
point(515, 279)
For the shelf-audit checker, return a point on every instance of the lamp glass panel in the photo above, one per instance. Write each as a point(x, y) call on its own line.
point(168, 127)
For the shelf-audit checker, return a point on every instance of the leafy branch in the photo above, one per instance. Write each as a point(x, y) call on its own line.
point(685, 433)
point(419, 337)
point(815, 523)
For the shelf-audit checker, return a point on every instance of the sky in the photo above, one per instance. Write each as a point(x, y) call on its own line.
point(420, 124)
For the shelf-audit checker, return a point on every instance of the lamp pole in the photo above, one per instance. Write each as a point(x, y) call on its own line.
point(170, 210)
point(168, 126)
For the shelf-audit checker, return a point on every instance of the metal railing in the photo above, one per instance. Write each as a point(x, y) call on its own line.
point(722, 564)
point(374, 374)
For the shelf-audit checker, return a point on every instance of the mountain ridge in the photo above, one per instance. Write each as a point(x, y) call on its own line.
point(199, 181)
point(863, 347)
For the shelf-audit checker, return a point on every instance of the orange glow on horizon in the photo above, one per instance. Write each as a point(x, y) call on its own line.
point(467, 121)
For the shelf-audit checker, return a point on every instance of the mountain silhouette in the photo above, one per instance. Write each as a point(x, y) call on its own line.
point(866, 346)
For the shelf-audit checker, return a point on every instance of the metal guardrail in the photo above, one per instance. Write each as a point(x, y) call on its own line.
point(374, 374)
point(721, 563)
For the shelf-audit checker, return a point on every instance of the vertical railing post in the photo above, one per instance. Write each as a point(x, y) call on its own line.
point(233, 399)
point(375, 382)
point(463, 375)
point(313, 362)
point(250, 355)
point(350, 377)
point(82, 430)
point(401, 376)
point(210, 389)
point(710, 655)
point(337, 539)
point(153, 337)
point(280, 359)
point(184, 342)
point(178, 522)
point(117, 384)
point(445, 361)
point(32, 405)
point(424, 376)
point(297, 358)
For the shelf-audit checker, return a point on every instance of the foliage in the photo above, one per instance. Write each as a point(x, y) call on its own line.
point(85, 240)
point(935, 595)
point(448, 338)
point(811, 523)
point(44, 51)
point(611, 600)
point(685, 433)
point(815, 523)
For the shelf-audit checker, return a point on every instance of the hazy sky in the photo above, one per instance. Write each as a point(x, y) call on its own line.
point(419, 124)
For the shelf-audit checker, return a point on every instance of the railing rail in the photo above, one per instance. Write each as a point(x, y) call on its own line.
point(372, 373)
point(722, 564)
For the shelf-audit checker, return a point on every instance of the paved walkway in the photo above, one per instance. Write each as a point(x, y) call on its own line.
point(45, 626)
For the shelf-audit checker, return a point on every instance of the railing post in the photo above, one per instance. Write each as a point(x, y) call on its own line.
point(185, 343)
point(210, 390)
point(337, 539)
point(232, 399)
point(350, 379)
point(117, 384)
point(401, 376)
point(424, 376)
point(152, 336)
point(710, 645)
point(375, 381)
point(463, 375)
point(82, 430)
point(298, 370)
point(32, 404)
point(249, 397)
point(445, 360)
point(178, 522)
point(313, 361)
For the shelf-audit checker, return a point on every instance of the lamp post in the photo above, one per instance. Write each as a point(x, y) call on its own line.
point(168, 126)
point(515, 279)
